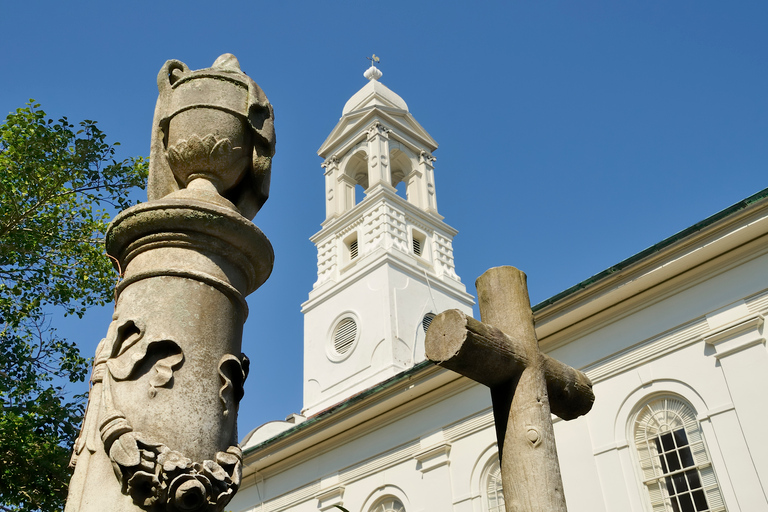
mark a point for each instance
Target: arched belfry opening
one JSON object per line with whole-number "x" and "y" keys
{"x": 356, "y": 169}
{"x": 384, "y": 254}
{"x": 401, "y": 168}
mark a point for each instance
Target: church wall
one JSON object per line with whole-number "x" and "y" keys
{"x": 662, "y": 349}
{"x": 703, "y": 344}
{"x": 412, "y": 450}
{"x": 581, "y": 482}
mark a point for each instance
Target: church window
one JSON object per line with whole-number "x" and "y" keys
{"x": 344, "y": 335}
{"x": 388, "y": 504}
{"x": 674, "y": 464}
{"x": 353, "y": 249}
{"x": 493, "y": 490}
{"x": 427, "y": 321}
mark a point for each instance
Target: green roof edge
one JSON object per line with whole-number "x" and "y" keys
{"x": 680, "y": 235}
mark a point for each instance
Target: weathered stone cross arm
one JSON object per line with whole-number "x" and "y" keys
{"x": 486, "y": 355}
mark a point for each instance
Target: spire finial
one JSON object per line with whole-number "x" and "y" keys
{"x": 373, "y": 73}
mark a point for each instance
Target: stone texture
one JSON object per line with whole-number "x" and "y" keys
{"x": 160, "y": 429}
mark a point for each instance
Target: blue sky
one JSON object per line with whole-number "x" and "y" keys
{"x": 572, "y": 134}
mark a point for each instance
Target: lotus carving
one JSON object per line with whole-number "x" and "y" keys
{"x": 215, "y": 160}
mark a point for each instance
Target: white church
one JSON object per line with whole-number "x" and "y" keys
{"x": 672, "y": 338}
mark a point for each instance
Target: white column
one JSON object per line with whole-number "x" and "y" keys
{"x": 331, "y": 166}
{"x": 428, "y": 170}
{"x": 345, "y": 192}
{"x": 378, "y": 156}
{"x": 740, "y": 350}
{"x": 416, "y": 188}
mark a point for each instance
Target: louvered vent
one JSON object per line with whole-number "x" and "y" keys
{"x": 353, "y": 249}
{"x": 427, "y": 321}
{"x": 345, "y": 335}
{"x": 417, "y": 246}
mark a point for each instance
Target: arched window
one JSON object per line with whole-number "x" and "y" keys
{"x": 494, "y": 496}
{"x": 388, "y": 504}
{"x": 674, "y": 464}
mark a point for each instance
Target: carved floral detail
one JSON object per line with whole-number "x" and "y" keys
{"x": 207, "y": 156}
{"x": 426, "y": 157}
{"x": 377, "y": 128}
{"x": 158, "y": 478}
{"x": 331, "y": 161}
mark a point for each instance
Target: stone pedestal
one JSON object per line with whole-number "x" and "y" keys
{"x": 160, "y": 430}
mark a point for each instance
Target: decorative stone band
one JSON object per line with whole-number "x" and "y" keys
{"x": 221, "y": 285}
{"x": 191, "y": 236}
{"x": 188, "y": 94}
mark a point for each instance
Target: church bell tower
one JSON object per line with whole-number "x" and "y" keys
{"x": 384, "y": 255}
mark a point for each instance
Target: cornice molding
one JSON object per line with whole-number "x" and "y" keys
{"x": 351, "y": 127}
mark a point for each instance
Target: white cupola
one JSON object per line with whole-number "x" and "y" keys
{"x": 385, "y": 256}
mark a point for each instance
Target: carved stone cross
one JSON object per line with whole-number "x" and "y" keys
{"x": 502, "y": 352}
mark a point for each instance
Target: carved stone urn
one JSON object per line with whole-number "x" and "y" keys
{"x": 160, "y": 428}
{"x": 213, "y": 136}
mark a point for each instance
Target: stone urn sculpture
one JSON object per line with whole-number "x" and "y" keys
{"x": 160, "y": 428}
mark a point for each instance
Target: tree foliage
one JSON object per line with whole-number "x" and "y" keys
{"x": 57, "y": 181}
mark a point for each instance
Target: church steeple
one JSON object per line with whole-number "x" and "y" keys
{"x": 385, "y": 257}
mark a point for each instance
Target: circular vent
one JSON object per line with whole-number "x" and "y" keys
{"x": 344, "y": 337}
{"x": 427, "y": 320}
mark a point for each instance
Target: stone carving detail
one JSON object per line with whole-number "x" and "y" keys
{"x": 233, "y": 371}
{"x": 233, "y": 157}
{"x": 218, "y": 157}
{"x": 160, "y": 429}
{"x": 129, "y": 349}
{"x": 152, "y": 474}
{"x": 158, "y": 478}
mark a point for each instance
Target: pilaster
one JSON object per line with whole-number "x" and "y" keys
{"x": 331, "y": 167}
{"x": 739, "y": 349}
{"x": 378, "y": 156}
